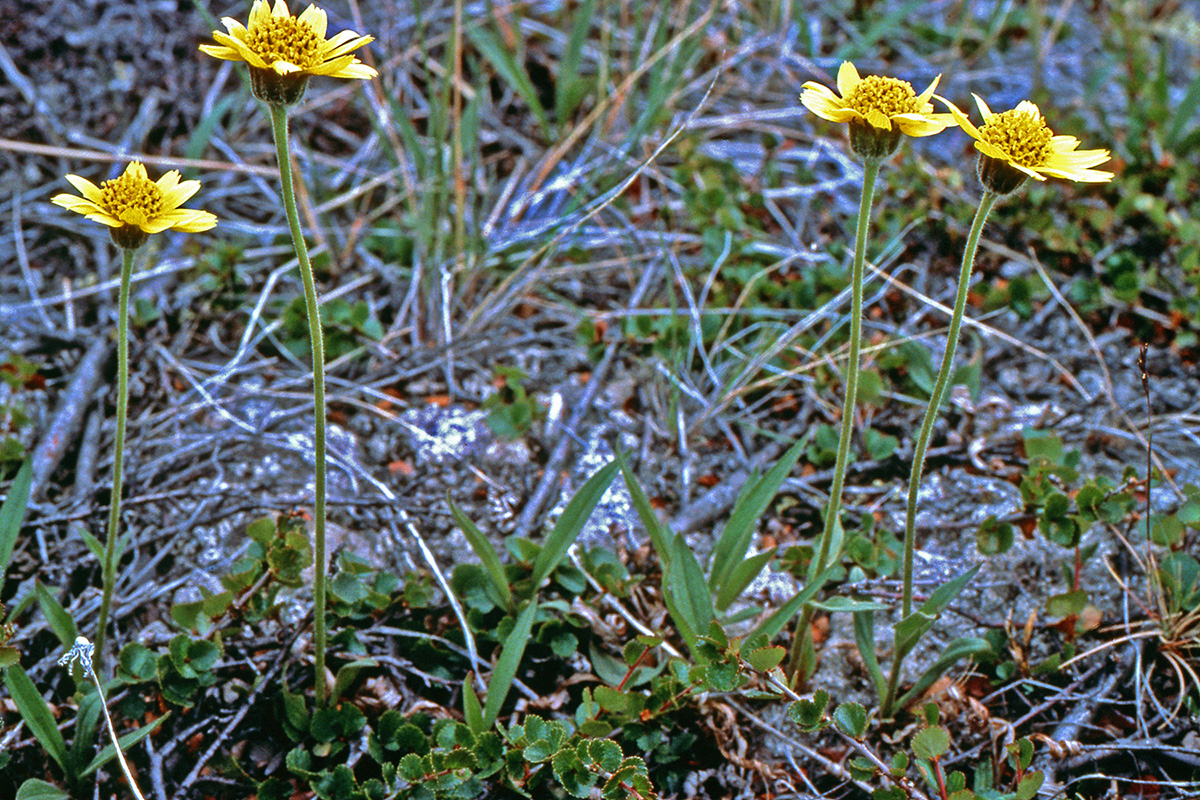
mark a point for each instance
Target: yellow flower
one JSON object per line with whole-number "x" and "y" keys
{"x": 878, "y": 110}
{"x": 133, "y": 206}
{"x": 283, "y": 51}
{"x": 1017, "y": 144}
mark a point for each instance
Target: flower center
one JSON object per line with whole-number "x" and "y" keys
{"x": 285, "y": 39}
{"x": 1023, "y": 137}
{"x": 130, "y": 192}
{"x": 888, "y": 96}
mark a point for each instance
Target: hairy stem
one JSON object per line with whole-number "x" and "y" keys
{"x": 109, "y": 574}
{"x": 931, "y": 412}
{"x": 279, "y": 128}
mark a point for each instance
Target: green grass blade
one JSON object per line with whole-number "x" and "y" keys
{"x": 506, "y": 665}
{"x": 659, "y": 536}
{"x": 864, "y": 637}
{"x": 571, "y": 522}
{"x": 570, "y": 88}
{"x": 472, "y": 710}
{"x": 688, "y": 599}
{"x": 957, "y": 650}
{"x": 513, "y": 73}
{"x": 910, "y": 629}
{"x": 487, "y": 554}
{"x": 743, "y": 573}
{"x": 772, "y": 625}
{"x": 60, "y": 621}
{"x": 127, "y": 741}
{"x": 37, "y": 716}
{"x": 12, "y": 513}
{"x": 735, "y": 539}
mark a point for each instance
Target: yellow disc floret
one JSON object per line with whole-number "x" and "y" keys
{"x": 286, "y": 39}
{"x": 131, "y": 192}
{"x": 1023, "y": 137}
{"x": 887, "y": 96}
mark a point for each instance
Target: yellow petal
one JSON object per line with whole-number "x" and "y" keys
{"x": 178, "y": 195}
{"x": 284, "y": 68}
{"x": 878, "y": 119}
{"x": 235, "y": 28}
{"x": 136, "y": 217}
{"x": 960, "y": 118}
{"x": 189, "y": 221}
{"x": 136, "y": 170}
{"x": 224, "y": 53}
{"x": 315, "y": 19}
{"x": 847, "y": 78}
{"x": 1029, "y": 109}
{"x": 983, "y": 108}
{"x": 76, "y": 204}
{"x": 358, "y": 71}
{"x": 105, "y": 219}
{"x": 923, "y": 97}
{"x": 991, "y": 151}
{"x": 245, "y": 53}
{"x": 168, "y": 181}
{"x": 86, "y": 188}
{"x": 260, "y": 12}
{"x": 823, "y": 102}
{"x": 340, "y": 45}
{"x": 281, "y": 9}
{"x": 918, "y": 125}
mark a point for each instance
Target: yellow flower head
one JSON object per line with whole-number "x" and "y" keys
{"x": 878, "y": 110}
{"x": 284, "y": 51}
{"x": 133, "y": 206}
{"x": 1017, "y": 144}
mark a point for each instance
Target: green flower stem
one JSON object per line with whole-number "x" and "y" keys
{"x": 931, "y": 412}
{"x": 939, "y": 392}
{"x": 108, "y": 576}
{"x": 280, "y": 130}
{"x": 833, "y": 512}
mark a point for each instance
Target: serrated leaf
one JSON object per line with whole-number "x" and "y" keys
{"x": 930, "y": 743}
{"x": 1027, "y": 788}
{"x": 765, "y": 659}
{"x": 851, "y": 719}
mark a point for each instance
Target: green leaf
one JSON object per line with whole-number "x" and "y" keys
{"x": 659, "y": 536}
{"x": 60, "y": 621}
{"x": 910, "y": 629}
{"x": 346, "y": 675}
{"x": 472, "y": 710}
{"x": 772, "y": 625}
{"x": 1027, "y": 788}
{"x": 809, "y": 715}
{"x": 127, "y": 741}
{"x": 686, "y": 593}
{"x": 509, "y": 69}
{"x": 12, "y": 513}
{"x": 864, "y": 637}
{"x": 37, "y": 789}
{"x": 37, "y": 716}
{"x": 740, "y": 577}
{"x": 734, "y": 542}
{"x": 930, "y": 743}
{"x": 506, "y": 665}
{"x": 765, "y": 659}
{"x": 994, "y": 537}
{"x": 851, "y": 719}
{"x": 1066, "y": 603}
{"x": 851, "y": 605}
{"x": 955, "y": 651}
{"x": 572, "y": 521}
{"x": 486, "y": 552}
